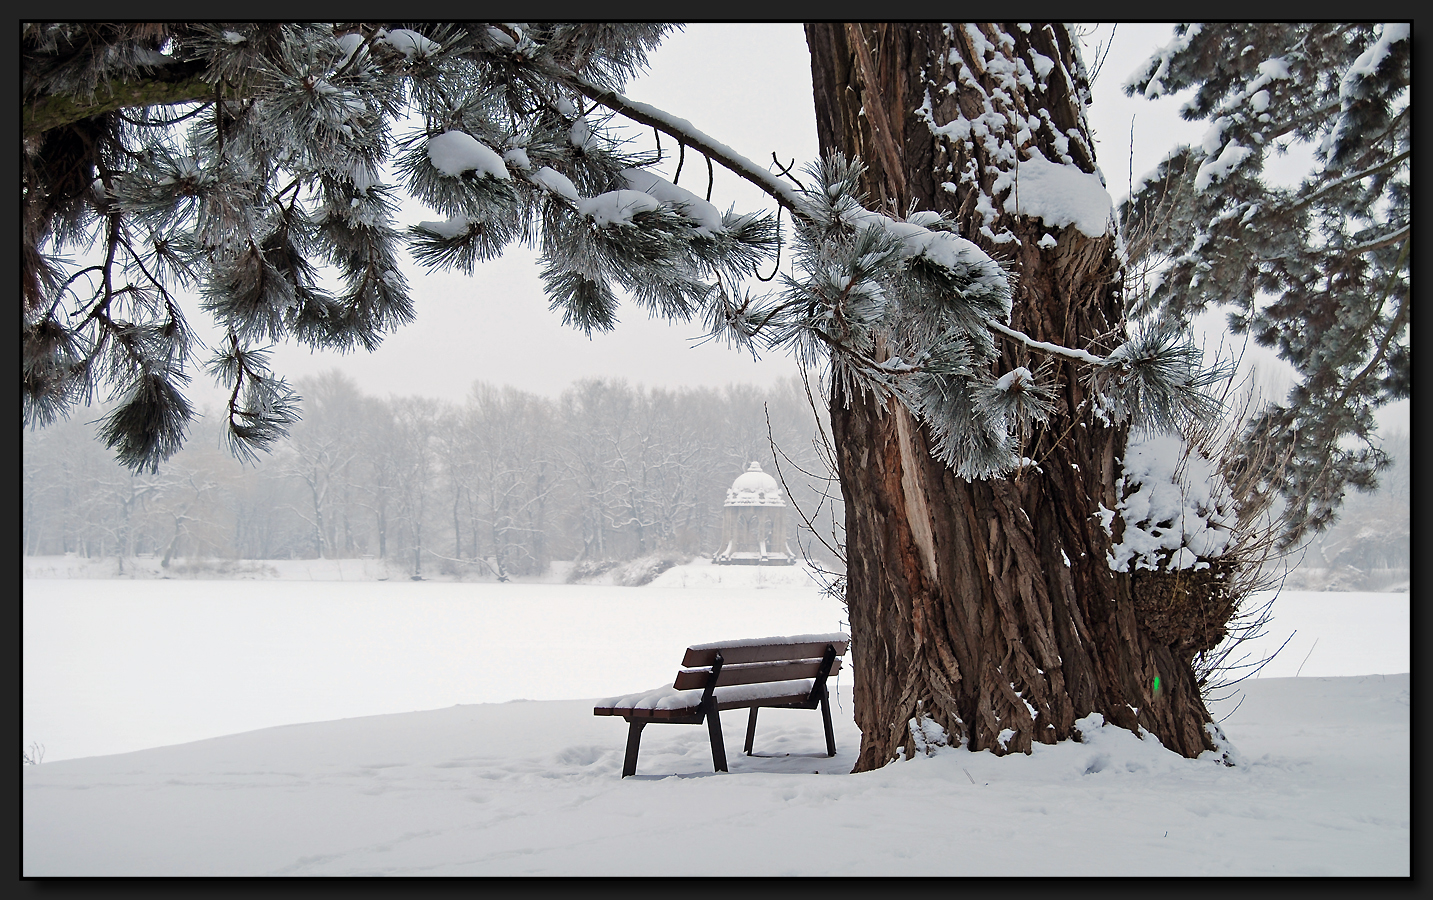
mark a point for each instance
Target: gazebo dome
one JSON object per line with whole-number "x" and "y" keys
{"x": 754, "y": 488}
{"x": 753, "y": 525}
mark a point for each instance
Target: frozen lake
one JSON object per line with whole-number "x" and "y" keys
{"x": 112, "y": 666}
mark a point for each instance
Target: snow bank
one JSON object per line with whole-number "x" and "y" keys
{"x": 536, "y": 789}
{"x": 119, "y": 665}
{"x": 467, "y": 786}
{"x": 702, "y": 573}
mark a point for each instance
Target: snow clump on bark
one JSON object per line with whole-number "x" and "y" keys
{"x": 1177, "y": 511}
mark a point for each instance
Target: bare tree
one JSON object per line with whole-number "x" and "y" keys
{"x": 416, "y": 422}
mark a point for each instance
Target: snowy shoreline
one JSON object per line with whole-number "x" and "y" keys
{"x": 168, "y": 709}
{"x": 698, "y": 572}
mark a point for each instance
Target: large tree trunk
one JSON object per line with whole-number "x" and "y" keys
{"x": 988, "y": 606}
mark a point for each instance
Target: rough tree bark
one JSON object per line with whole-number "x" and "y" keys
{"x": 988, "y": 606}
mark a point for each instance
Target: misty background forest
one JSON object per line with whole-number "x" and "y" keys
{"x": 499, "y": 486}
{"x": 509, "y": 481}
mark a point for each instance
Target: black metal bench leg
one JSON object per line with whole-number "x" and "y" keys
{"x": 750, "y": 729}
{"x": 634, "y": 739}
{"x": 826, "y": 716}
{"x": 718, "y": 747}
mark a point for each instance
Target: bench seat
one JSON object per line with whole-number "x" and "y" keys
{"x": 667, "y": 702}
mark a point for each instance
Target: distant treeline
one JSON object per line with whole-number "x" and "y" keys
{"x": 503, "y": 483}
{"x": 508, "y": 481}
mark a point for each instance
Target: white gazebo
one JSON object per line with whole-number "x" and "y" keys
{"x": 753, "y": 525}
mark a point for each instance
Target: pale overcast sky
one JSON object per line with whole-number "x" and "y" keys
{"x": 749, "y": 85}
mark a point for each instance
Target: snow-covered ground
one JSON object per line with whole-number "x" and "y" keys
{"x": 442, "y": 737}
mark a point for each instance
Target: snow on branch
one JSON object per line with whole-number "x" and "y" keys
{"x": 1076, "y": 354}
{"x": 845, "y": 309}
{"x": 902, "y": 307}
{"x": 940, "y": 247}
{"x": 693, "y": 137}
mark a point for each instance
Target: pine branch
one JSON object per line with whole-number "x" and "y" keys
{"x": 172, "y": 85}
{"x": 1384, "y": 241}
{"x": 1393, "y": 328}
{"x": 1346, "y": 180}
{"x": 1274, "y": 132}
{"x": 687, "y": 133}
{"x": 1080, "y": 355}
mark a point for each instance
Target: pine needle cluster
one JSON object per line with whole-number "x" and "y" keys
{"x": 247, "y": 162}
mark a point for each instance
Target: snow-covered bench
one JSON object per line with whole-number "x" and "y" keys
{"x": 777, "y": 672}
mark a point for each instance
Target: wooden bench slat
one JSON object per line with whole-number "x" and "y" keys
{"x": 750, "y": 653}
{"x": 800, "y": 701}
{"x": 752, "y": 673}
{"x": 664, "y": 703}
{"x": 691, "y": 716}
{"x": 663, "y": 699}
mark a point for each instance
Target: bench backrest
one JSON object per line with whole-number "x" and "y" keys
{"x": 760, "y": 660}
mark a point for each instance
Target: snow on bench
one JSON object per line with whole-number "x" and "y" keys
{"x": 781, "y": 672}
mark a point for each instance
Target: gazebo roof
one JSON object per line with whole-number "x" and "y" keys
{"x": 754, "y": 488}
